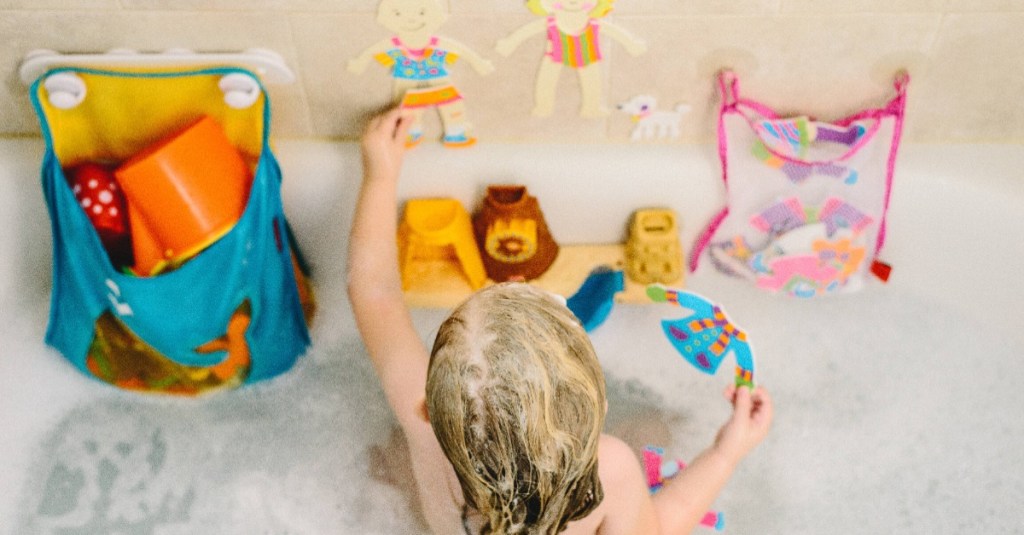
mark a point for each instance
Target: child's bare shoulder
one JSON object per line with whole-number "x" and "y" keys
{"x": 627, "y": 506}
{"x": 617, "y": 462}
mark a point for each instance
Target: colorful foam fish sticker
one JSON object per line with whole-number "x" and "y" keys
{"x": 705, "y": 337}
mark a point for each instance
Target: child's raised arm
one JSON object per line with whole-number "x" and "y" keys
{"x": 375, "y": 290}
{"x": 374, "y": 282}
{"x": 685, "y": 498}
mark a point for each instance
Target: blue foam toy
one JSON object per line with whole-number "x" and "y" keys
{"x": 705, "y": 337}
{"x": 593, "y": 301}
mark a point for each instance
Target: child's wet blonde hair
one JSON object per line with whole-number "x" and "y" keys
{"x": 601, "y": 7}
{"x": 516, "y": 397}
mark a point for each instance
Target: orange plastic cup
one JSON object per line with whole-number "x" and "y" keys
{"x": 184, "y": 193}
{"x": 146, "y": 249}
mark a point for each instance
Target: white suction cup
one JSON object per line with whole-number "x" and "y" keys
{"x": 64, "y": 90}
{"x": 240, "y": 90}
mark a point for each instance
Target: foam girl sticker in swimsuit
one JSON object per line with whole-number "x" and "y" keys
{"x": 420, "y": 61}
{"x": 574, "y": 29}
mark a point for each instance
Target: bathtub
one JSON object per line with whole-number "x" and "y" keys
{"x": 897, "y": 407}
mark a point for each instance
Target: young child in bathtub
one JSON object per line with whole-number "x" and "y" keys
{"x": 503, "y": 417}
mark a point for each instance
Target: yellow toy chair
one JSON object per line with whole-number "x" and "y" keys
{"x": 433, "y": 228}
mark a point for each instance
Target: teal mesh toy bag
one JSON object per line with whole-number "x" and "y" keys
{"x": 174, "y": 269}
{"x": 806, "y": 200}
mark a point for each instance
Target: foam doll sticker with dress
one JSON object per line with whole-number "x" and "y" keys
{"x": 420, "y": 61}
{"x": 574, "y": 29}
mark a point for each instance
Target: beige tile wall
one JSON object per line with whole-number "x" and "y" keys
{"x": 822, "y": 57}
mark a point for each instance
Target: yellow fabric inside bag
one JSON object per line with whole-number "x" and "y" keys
{"x": 123, "y": 115}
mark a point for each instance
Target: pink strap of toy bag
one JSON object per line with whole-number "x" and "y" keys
{"x": 805, "y": 199}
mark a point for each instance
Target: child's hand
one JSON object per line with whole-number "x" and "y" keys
{"x": 751, "y": 418}
{"x": 383, "y": 144}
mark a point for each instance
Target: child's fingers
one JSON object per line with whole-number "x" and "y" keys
{"x": 742, "y": 402}
{"x": 394, "y": 124}
{"x": 403, "y": 124}
{"x": 763, "y": 407}
{"x": 392, "y": 115}
{"x": 375, "y": 122}
{"x": 383, "y": 121}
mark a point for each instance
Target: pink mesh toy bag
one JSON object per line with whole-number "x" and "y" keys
{"x": 806, "y": 200}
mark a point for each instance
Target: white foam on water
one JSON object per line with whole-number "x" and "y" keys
{"x": 896, "y": 408}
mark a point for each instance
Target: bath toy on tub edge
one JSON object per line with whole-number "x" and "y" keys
{"x": 653, "y": 251}
{"x": 593, "y": 301}
{"x": 707, "y": 335}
